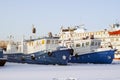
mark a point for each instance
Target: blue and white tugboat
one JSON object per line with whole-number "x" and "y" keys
{"x": 2, "y": 60}
{"x": 45, "y": 50}
{"x": 87, "y": 49}
{"x": 38, "y": 51}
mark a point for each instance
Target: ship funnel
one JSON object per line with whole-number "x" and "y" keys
{"x": 33, "y": 29}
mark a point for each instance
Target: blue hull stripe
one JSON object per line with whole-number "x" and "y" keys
{"x": 103, "y": 57}
{"x": 55, "y": 57}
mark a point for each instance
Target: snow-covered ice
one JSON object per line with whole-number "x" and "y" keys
{"x": 15, "y": 71}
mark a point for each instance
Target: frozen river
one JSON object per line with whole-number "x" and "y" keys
{"x": 15, "y": 71}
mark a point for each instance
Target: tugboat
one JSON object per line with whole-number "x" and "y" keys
{"x": 2, "y": 60}
{"x": 45, "y": 50}
{"x": 86, "y": 49}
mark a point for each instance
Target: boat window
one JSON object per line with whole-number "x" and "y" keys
{"x": 29, "y": 43}
{"x": 87, "y": 43}
{"x": 72, "y": 45}
{"x": 92, "y": 43}
{"x": 96, "y": 43}
{"x": 52, "y": 41}
{"x": 56, "y": 41}
{"x": 32, "y": 43}
{"x": 103, "y": 39}
{"x": 48, "y": 41}
{"x": 77, "y": 45}
{"x": 59, "y": 41}
{"x": 37, "y": 43}
{"x": 117, "y": 39}
{"x": 83, "y": 45}
{"x": 99, "y": 33}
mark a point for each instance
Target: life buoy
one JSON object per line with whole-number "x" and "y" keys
{"x": 32, "y": 57}
{"x": 23, "y": 58}
{"x": 49, "y": 53}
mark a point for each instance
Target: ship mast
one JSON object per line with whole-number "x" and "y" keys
{"x": 33, "y": 31}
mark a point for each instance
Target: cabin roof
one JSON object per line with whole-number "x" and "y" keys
{"x": 41, "y": 38}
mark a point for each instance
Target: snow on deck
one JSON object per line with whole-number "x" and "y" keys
{"x": 15, "y": 71}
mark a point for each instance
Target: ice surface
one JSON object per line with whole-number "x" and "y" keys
{"x": 15, "y": 71}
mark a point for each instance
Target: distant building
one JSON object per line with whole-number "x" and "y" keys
{"x": 3, "y": 44}
{"x": 104, "y": 35}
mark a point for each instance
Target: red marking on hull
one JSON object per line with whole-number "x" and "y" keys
{"x": 114, "y": 32}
